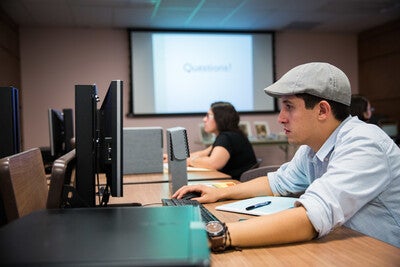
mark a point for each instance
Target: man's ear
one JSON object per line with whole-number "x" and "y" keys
{"x": 324, "y": 109}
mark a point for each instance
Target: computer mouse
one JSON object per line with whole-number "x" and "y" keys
{"x": 191, "y": 195}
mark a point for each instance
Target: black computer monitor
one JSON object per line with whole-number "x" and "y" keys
{"x": 56, "y": 131}
{"x": 110, "y": 138}
{"x": 98, "y": 142}
{"x": 85, "y": 143}
{"x": 10, "y": 134}
{"x": 61, "y": 131}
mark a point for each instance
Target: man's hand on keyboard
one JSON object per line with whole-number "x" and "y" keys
{"x": 208, "y": 194}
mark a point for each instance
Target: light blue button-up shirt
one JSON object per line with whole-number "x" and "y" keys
{"x": 352, "y": 180}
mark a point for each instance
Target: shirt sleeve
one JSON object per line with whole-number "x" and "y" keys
{"x": 357, "y": 172}
{"x": 223, "y": 140}
{"x": 291, "y": 177}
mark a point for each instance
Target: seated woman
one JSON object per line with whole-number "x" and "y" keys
{"x": 231, "y": 152}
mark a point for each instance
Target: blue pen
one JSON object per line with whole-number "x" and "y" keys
{"x": 262, "y": 204}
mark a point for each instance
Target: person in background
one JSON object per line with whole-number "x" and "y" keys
{"x": 360, "y": 107}
{"x": 231, "y": 152}
{"x": 346, "y": 172}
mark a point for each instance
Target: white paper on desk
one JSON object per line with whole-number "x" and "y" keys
{"x": 189, "y": 169}
{"x": 277, "y": 204}
{"x": 197, "y": 169}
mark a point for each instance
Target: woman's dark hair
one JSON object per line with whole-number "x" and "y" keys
{"x": 339, "y": 110}
{"x": 226, "y": 117}
{"x": 359, "y": 105}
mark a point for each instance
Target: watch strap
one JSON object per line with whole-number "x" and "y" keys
{"x": 218, "y": 243}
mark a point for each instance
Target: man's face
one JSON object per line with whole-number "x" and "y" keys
{"x": 299, "y": 123}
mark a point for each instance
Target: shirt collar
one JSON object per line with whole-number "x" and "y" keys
{"x": 329, "y": 144}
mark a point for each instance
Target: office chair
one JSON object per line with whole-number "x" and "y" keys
{"x": 259, "y": 160}
{"x": 257, "y": 172}
{"x": 23, "y": 183}
{"x": 60, "y": 181}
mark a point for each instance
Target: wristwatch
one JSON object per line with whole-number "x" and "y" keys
{"x": 217, "y": 235}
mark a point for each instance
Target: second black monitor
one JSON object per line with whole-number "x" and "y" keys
{"x": 98, "y": 142}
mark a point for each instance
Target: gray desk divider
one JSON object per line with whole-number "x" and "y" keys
{"x": 143, "y": 150}
{"x": 178, "y": 152}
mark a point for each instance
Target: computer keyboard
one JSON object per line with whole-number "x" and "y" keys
{"x": 206, "y": 215}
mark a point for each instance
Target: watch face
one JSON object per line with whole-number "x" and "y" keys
{"x": 214, "y": 228}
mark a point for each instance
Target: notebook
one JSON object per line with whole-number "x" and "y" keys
{"x": 276, "y": 204}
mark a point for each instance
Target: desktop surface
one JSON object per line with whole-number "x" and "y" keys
{"x": 122, "y": 236}
{"x": 164, "y": 177}
{"x": 342, "y": 247}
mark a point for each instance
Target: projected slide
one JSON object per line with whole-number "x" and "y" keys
{"x": 183, "y": 72}
{"x": 192, "y": 71}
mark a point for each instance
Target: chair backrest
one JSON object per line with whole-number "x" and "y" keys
{"x": 259, "y": 160}
{"x": 23, "y": 183}
{"x": 61, "y": 174}
{"x": 257, "y": 172}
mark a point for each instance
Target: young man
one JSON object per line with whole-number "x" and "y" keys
{"x": 346, "y": 172}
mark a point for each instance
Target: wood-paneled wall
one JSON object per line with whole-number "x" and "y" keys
{"x": 379, "y": 68}
{"x": 10, "y": 61}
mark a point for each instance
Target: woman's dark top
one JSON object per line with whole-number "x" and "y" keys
{"x": 241, "y": 152}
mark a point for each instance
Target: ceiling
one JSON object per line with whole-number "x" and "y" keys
{"x": 348, "y": 16}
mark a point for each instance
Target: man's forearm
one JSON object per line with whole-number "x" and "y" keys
{"x": 256, "y": 187}
{"x": 288, "y": 226}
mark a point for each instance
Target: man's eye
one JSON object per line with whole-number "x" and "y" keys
{"x": 289, "y": 107}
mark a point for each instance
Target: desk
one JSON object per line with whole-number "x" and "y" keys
{"x": 151, "y": 193}
{"x": 342, "y": 247}
{"x": 149, "y": 178}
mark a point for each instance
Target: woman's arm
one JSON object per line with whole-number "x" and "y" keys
{"x": 216, "y": 160}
